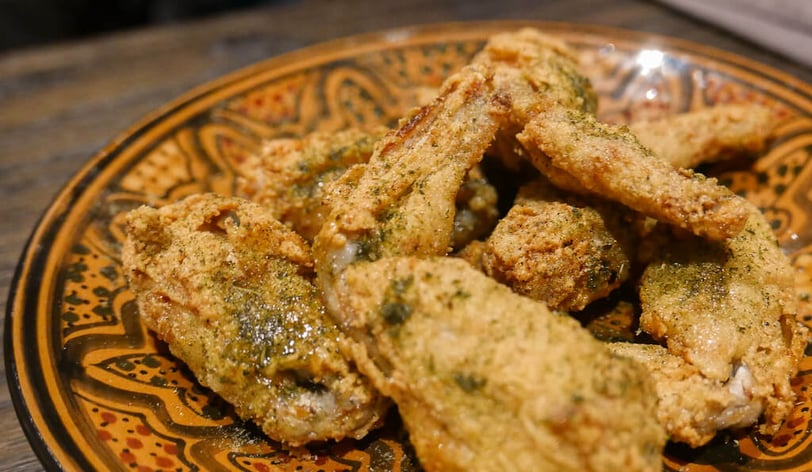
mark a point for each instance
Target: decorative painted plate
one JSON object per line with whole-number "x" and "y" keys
{"x": 95, "y": 390}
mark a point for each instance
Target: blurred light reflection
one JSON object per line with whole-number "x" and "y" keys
{"x": 649, "y": 59}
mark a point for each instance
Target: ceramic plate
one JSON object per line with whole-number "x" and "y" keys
{"x": 95, "y": 390}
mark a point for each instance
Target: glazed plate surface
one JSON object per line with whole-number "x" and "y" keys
{"x": 95, "y": 390}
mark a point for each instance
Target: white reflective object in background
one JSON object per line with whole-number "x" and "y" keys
{"x": 649, "y": 59}
{"x": 781, "y": 25}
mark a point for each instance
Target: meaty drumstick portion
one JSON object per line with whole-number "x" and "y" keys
{"x": 728, "y": 309}
{"x": 228, "y": 288}
{"x": 710, "y": 135}
{"x": 691, "y": 407}
{"x": 609, "y": 161}
{"x": 403, "y": 200}
{"x": 487, "y": 380}
{"x": 289, "y": 175}
{"x": 564, "y": 251}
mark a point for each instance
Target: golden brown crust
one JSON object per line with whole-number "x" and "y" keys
{"x": 563, "y": 252}
{"x": 288, "y": 175}
{"x": 691, "y": 407}
{"x": 713, "y": 134}
{"x": 465, "y": 358}
{"x": 469, "y": 362}
{"x": 609, "y": 161}
{"x": 291, "y": 177}
{"x": 728, "y": 308}
{"x": 403, "y": 200}
{"x": 534, "y": 72}
{"x": 228, "y": 288}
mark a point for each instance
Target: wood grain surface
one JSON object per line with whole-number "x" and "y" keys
{"x": 62, "y": 103}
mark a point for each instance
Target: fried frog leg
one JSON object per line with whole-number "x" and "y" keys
{"x": 229, "y": 289}
{"x": 609, "y": 161}
{"x": 403, "y": 200}
{"x": 488, "y": 380}
{"x": 728, "y": 310}
{"x": 714, "y": 134}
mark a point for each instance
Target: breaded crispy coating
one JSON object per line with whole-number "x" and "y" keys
{"x": 535, "y": 72}
{"x": 553, "y": 250}
{"x": 291, "y": 178}
{"x": 228, "y": 288}
{"x": 401, "y": 204}
{"x": 609, "y": 161}
{"x": 403, "y": 200}
{"x": 487, "y": 380}
{"x": 709, "y": 135}
{"x": 288, "y": 175}
{"x": 728, "y": 309}
{"x": 692, "y": 407}
{"x": 562, "y": 251}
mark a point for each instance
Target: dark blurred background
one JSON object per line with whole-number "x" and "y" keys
{"x": 35, "y": 22}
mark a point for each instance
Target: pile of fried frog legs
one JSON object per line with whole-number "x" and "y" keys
{"x": 368, "y": 268}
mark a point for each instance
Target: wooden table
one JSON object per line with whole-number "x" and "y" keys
{"x": 60, "y": 104}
